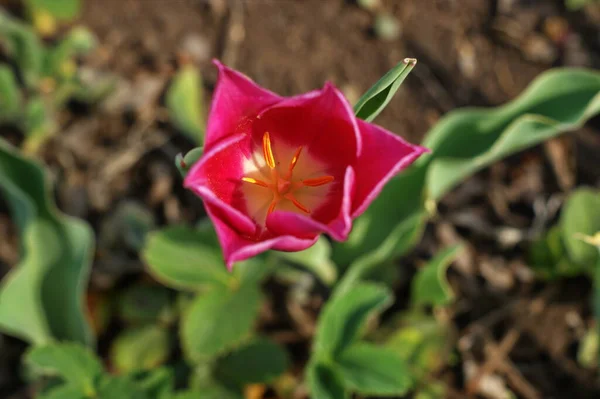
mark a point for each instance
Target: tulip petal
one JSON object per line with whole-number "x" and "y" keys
{"x": 320, "y": 121}
{"x": 236, "y": 102}
{"x": 237, "y": 247}
{"x": 216, "y": 178}
{"x": 299, "y": 225}
{"x": 383, "y": 155}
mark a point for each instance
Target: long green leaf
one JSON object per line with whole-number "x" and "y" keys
{"x": 43, "y": 296}
{"x": 468, "y": 140}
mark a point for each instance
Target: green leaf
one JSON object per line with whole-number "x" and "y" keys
{"x": 422, "y": 342}
{"x": 574, "y": 5}
{"x": 75, "y": 364}
{"x": 184, "y": 163}
{"x": 214, "y": 392}
{"x": 182, "y": 258}
{"x": 580, "y": 215}
{"x": 587, "y": 353}
{"x": 317, "y": 259}
{"x": 377, "y": 97}
{"x": 38, "y": 122}
{"x": 219, "y": 320}
{"x": 468, "y": 140}
{"x": 23, "y": 46}
{"x": 259, "y": 361}
{"x": 141, "y": 348}
{"x": 185, "y": 102}
{"x": 430, "y": 286}
{"x": 548, "y": 256}
{"x": 156, "y": 383}
{"x": 43, "y": 296}
{"x": 64, "y": 391}
{"x": 59, "y": 61}
{"x": 324, "y": 382}
{"x": 435, "y": 390}
{"x": 371, "y": 370}
{"x": 64, "y": 10}
{"x": 344, "y": 316}
{"x": 10, "y": 95}
{"x": 400, "y": 240}
{"x": 119, "y": 387}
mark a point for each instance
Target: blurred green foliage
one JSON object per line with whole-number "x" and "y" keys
{"x": 42, "y": 298}
{"x": 39, "y": 79}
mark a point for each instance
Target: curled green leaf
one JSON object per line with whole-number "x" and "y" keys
{"x": 377, "y": 97}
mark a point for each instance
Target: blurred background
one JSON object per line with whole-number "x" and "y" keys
{"x": 112, "y": 160}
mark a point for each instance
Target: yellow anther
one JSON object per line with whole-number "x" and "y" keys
{"x": 255, "y": 181}
{"x": 268, "y": 151}
{"x": 294, "y": 160}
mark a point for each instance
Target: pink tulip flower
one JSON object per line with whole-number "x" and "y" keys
{"x": 278, "y": 171}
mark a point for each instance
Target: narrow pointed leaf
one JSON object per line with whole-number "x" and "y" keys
{"x": 377, "y": 97}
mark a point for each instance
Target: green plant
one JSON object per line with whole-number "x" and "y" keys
{"x": 41, "y": 78}
{"x": 41, "y": 299}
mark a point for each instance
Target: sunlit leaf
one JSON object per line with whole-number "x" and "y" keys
{"x": 185, "y": 102}
{"x": 43, "y": 296}
{"x": 180, "y": 257}
{"x": 580, "y": 215}
{"x": 10, "y": 95}
{"x": 75, "y": 364}
{"x": 422, "y": 342}
{"x": 64, "y": 10}
{"x": 140, "y": 348}
{"x": 467, "y": 140}
{"x": 219, "y": 320}
{"x": 377, "y": 97}
{"x": 371, "y": 370}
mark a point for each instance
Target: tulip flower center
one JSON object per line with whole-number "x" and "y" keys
{"x": 282, "y": 186}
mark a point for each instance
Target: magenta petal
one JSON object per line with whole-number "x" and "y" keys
{"x": 215, "y": 178}
{"x": 280, "y": 222}
{"x": 383, "y": 155}
{"x": 321, "y": 121}
{"x": 236, "y": 102}
{"x": 237, "y": 247}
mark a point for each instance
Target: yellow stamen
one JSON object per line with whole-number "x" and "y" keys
{"x": 255, "y": 181}
{"x": 268, "y": 151}
{"x": 317, "y": 181}
{"x": 294, "y": 161}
